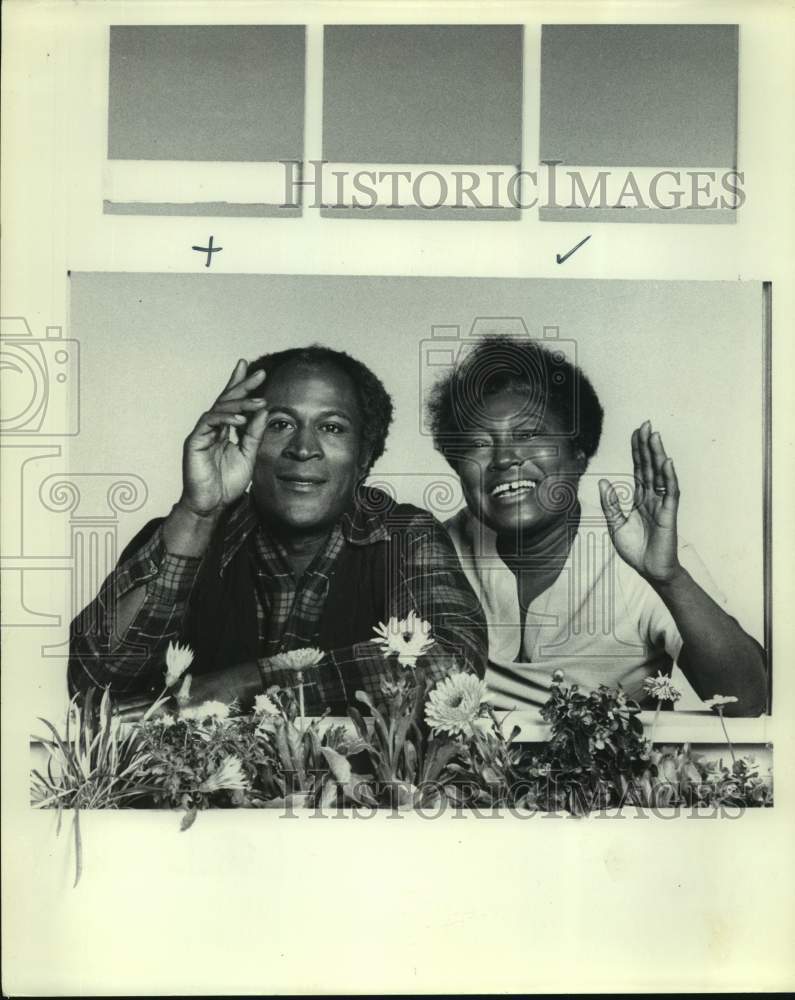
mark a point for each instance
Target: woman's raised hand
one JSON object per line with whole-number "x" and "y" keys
{"x": 646, "y": 538}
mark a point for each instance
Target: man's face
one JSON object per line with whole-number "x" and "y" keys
{"x": 310, "y": 458}
{"x": 519, "y": 472}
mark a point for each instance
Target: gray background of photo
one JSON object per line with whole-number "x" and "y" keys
{"x": 156, "y": 350}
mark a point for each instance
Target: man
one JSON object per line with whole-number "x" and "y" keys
{"x": 608, "y": 597}
{"x": 306, "y": 558}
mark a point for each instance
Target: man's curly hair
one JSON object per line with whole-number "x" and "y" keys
{"x": 375, "y": 403}
{"x": 499, "y": 363}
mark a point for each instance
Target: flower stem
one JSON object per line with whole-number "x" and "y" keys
{"x": 654, "y": 721}
{"x": 725, "y": 733}
{"x": 301, "y": 706}
{"x": 163, "y": 696}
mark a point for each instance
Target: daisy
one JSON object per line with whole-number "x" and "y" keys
{"x": 719, "y": 700}
{"x": 409, "y": 638}
{"x": 228, "y": 776}
{"x": 178, "y": 659}
{"x": 454, "y": 704}
{"x": 661, "y": 688}
{"x": 264, "y": 706}
{"x": 298, "y": 659}
{"x": 207, "y": 710}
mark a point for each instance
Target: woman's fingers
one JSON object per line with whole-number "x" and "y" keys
{"x": 611, "y": 506}
{"x": 671, "y": 485}
{"x": 646, "y": 465}
{"x": 658, "y": 458}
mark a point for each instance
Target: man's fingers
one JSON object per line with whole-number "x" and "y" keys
{"x": 251, "y": 437}
{"x": 243, "y": 386}
{"x": 611, "y": 507}
{"x": 212, "y": 419}
{"x": 238, "y": 405}
{"x": 237, "y": 374}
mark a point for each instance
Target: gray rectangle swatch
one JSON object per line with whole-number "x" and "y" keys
{"x": 422, "y": 94}
{"x": 682, "y": 216}
{"x": 415, "y": 213}
{"x": 219, "y": 209}
{"x": 638, "y": 95}
{"x": 185, "y": 92}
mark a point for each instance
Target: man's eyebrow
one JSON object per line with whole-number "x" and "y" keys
{"x": 320, "y": 416}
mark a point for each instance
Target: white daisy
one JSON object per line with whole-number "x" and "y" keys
{"x": 264, "y": 706}
{"x": 297, "y": 659}
{"x": 661, "y": 688}
{"x": 178, "y": 659}
{"x": 409, "y": 638}
{"x": 454, "y": 703}
{"x": 719, "y": 700}
{"x": 228, "y": 776}
{"x": 207, "y": 710}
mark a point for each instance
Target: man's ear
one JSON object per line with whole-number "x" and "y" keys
{"x": 581, "y": 460}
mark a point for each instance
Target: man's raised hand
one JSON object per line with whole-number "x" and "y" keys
{"x": 216, "y": 470}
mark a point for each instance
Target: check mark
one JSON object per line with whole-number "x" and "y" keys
{"x": 560, "y": 258}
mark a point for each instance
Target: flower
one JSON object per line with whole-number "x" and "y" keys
{"x": 207, "y": 710}
{"x": 661, "y": 688}
{"x": 454, "y": 703}
{"x": 409, "y": 638}
{"x": 229, "y": 776}
{"x": 557, "y": 676}
{"x": 164, "y": 720}
{"x": 178, "y": 659}
{"x": 298, "y": 659}
{"x": 719, "y": 700}
{"x": 264, "y": 706}
{"x": 183, "y": 695}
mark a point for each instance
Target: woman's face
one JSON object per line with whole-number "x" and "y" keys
{"x": 519, "y": 471}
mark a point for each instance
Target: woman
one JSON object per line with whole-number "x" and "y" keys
{"x": 611, "y": 596}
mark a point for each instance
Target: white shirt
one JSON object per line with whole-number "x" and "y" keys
{"x": 599, "y": 622}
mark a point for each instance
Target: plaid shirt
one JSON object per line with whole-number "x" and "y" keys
{"x": 426, "y": 578}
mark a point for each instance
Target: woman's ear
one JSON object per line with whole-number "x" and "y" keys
{"x": 364, "y": 462}
{"x": 581, "y": 460}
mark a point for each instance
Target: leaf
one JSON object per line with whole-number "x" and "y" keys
{"x": 380, "y": 723}
{"x": 581, "y": 747}
{"x": 78, "y": 848}
{"x": 400, "y": 738}
{"x": 328, "y": 794}
{"x": 338, "y": 765}
{"x": 188, "y": 819}
{"x": 439, "y": 756}
{"x": 359, "y": 722}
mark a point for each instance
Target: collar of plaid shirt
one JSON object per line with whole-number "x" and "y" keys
{"x": 289, "y": 610}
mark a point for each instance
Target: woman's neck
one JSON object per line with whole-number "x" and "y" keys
{"x": 548, "y": 544}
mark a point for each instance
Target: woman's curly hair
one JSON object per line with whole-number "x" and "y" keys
{"x": 375, "y": 403}
{"x": 499, "y": 363}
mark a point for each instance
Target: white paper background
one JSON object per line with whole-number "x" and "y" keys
{"x": 249, "y": 903}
